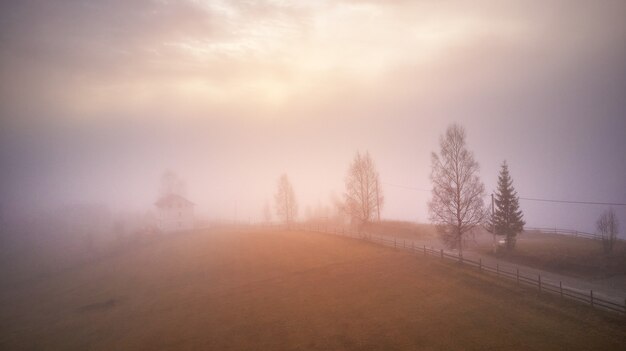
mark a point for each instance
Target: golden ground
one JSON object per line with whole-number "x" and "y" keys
{"x": 262, "y": 290}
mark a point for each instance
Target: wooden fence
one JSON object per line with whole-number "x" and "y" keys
{"x": 567, "y": 232}
{"x": 519, "y": 277}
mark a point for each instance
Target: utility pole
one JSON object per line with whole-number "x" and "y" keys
{"x": 493, "y": 226}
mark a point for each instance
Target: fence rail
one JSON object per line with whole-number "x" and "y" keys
{"x": 518, "y": 276}
{"x": 566, "y": 232}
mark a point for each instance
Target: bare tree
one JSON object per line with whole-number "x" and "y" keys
{"x": 457, "y": 203}
{"x": 608, "y": 226}
{"x": 286, "y": 205}
{"x": 171, "y": 184}
{"x": 363, "y": 195}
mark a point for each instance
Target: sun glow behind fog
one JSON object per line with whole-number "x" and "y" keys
{"x": 214, "y": 89}
{"x": 273, "y": 61}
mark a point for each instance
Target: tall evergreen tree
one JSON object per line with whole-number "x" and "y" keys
{"x": 507, "y": 219}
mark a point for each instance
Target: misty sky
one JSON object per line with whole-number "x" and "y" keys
{"x": 98, "y": 98}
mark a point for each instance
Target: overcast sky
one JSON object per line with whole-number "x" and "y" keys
{"x": 98, "y": 98}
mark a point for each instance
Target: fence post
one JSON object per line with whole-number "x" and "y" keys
{"x": 539, "y": 280}
{"x": 517, "y": 276}
{"x": 498, "y": 269}
{"x": 561, "y": 288}
{"x": 424, "y": 250}
{"x": 480, "y": 264}
{"x": 404, "y": 244}
{"x": 591, "y": 295}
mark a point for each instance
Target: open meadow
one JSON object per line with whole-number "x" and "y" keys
{"x": 568, "y": 255}
{"x": 260, "y": 290}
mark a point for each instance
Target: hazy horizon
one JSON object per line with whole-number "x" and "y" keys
{"x": 99, "y": 98}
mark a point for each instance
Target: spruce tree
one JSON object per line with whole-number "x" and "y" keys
{"x": 508, "y": 218}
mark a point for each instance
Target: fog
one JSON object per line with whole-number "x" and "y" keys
{"x": 97, "y": 100}
{"x": 209, "y": 174}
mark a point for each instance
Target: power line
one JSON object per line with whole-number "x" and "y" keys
{"x": 527, "y": 198}
{"x": 574, "y": 202}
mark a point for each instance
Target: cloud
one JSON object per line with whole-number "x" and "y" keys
{"x": 204, "y": 57}
{"x": 88, "y": 80}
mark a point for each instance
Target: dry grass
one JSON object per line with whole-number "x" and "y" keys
{"x": 287, "y": 290}
{"x": 400, "y": 229}
{"x": 577, "y": 257}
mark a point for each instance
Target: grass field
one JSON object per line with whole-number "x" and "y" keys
{"x": 577, "y": 257}
{"x": 262, "y": 290}
{"x": 399, "y": 229}
{"x": 573, "y": 256}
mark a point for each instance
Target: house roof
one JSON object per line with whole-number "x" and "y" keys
{"x": 171, "y": 200}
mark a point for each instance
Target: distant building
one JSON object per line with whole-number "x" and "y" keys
{"x": 174, "y": 213}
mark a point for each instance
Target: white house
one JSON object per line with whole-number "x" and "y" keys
{"x": 174, "y": 213}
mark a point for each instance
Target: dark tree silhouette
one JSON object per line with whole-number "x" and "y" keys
{"x": 457, "y": 203}
{"x": 286, "y": 205}
{"x": 608, "y": 227}
{"x": 507, "y": 219}
{"x": 363, "y": 195}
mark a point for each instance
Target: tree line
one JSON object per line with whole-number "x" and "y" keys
{"x": 457, "y": 205}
